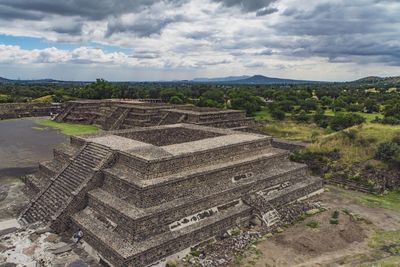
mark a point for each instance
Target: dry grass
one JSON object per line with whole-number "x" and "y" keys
{"x": 358, "y": 143}
{"x": 294, "y": 131}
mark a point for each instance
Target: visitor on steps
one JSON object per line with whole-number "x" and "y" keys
{"x": 78, "y": 236}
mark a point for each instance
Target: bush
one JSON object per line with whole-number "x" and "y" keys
{"x": 389, "y": 152}
{"x": 390, "y": 120}
{"x": 176, "y": 100}
{"x": 343, "y": 121}
{"x": 302, "y": 117}
{"x": 320, "y": 118}
{"x": 313, "y": 224}
{"x": 334, "y": 221}
{"x": 278, "y": 114}
{"x": 171, "y": 263}
{"x": 335, "y": 214}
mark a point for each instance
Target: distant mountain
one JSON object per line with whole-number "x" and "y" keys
{"x": 39, "y": 81}
{"x": 376, "y": 79}
{"x": 4, "y": 80}
{"x": 256, "y": 79}
{"x": 221, "y": 79}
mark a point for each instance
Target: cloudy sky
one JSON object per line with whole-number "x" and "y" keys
{"x": 332, "y": 40}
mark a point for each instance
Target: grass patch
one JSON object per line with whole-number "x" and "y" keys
{"x": 294, "y": 131}
{"x": 70, "y": 128}
{"x": 390, "y": 200}
{"x": 360, "y": 148}
{"x": 387, "y": 262}
{"x": 262, "y": 115}
{"x": 384, "y": 238}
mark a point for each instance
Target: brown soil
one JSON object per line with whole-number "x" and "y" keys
{"x": 327, "y": 237}
{"x": 344, "y": 244}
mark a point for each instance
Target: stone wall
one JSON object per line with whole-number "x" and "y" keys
{"x": 20, "y": 110}
{"x": 158, "y": 218}
{"x": 191, "y": 184}
{"x": 158, "y": 168}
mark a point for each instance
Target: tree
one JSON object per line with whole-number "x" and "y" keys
{"x": 344, "y": 120}
{"x": 308, "y": 104}
{"x": 246, "y": 101}
{"x": 212, "y": 98}
{"x": 278, "y": 114}
{"x": 326, "y": 101}
{"x": 371, "y": 106}
{"x": 175, "y": 100}
{"x": 287, "y": 105}
{"x": 168, "y": 93}
{"x": 320, "y": 118}
{"x": 302, "y": 117}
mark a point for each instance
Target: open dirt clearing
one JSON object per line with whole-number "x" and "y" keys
{"x": 364, "y": 235}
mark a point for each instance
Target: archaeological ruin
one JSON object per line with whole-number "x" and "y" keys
{"x": 164, "y": 178}
{"x": 125, "y": 114}
{"x": 21, "y": 110}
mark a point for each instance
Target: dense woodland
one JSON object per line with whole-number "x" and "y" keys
{"x": 301, "y": 102}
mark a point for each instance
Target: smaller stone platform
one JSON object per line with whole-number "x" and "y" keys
{"x": 122, "y": 114}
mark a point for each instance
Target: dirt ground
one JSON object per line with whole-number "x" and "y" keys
{"x": 364, "y": 236}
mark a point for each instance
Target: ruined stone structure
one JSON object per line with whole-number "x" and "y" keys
{"x": 126, "y": 114}
{"x": 20, "y": 110}
{"x": 145, "y": 193}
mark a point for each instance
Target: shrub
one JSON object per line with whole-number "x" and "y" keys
{"x": 176, "y": 100}
{"x": 390, "y": 120}
{"x": 302, "y": 117}
{"x": 313, "y": 224}
{"x": 389, "y": 152}
{"x": 335, "y": 214}
{"x": 278, "y": 114}
{"x": 343, "y": 121}
{"x": 320, "y": 118}
{"x": 334, "y": 221}
{"x": 171, "y": 263}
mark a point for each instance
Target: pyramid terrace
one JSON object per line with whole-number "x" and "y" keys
{"x": 145, "y": 193}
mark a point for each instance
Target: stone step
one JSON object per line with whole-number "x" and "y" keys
{"x": 58, "y": 193}
{"x": 77, "y": 171}
{"x": 144, "y": 221}
{"x": 121, "y": 251}
{"x": 96, "y": 154}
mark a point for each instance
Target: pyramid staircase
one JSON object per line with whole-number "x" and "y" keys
{"x": 65, "y": 112}
{"x": 67, "y": 185}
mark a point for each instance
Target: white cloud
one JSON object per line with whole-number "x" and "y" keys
{"x": 325, "y": 39}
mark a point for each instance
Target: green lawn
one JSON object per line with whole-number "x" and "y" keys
{"x": 70, "y": 128}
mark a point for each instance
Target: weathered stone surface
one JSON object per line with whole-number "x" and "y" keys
{"x": 19, "y": 110}
{"x": 77, "y": 263}
{"x": 52, "y": 238}
{"x": 62, "y": 249}
{"x": 170, "y": 187}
